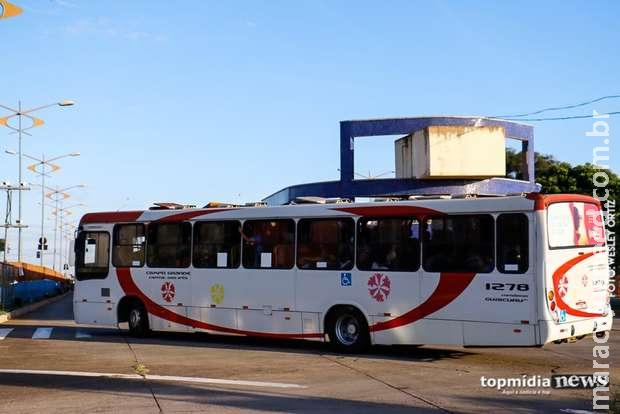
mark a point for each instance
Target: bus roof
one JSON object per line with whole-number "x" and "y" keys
{"x": 415, "y": 207}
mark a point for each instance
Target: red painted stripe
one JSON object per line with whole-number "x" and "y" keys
{"x": 542, "y": 201}
{"x": 390, "y": 211}
{"x": 131, "y": 216}
{"x": 450, "y": 286}
{"x": 131, "y": 289}
{"x": 112, "y": 217}
{"x": 557, "y": 275}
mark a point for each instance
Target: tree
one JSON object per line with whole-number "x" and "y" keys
{"x": 561, "y": 177}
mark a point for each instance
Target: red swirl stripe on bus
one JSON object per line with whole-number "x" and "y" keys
{"x": 132, "y": 216}
{"x": 450, "y": 286}
{"x": 131, "y": 289}
{"x": 561, "y": 271}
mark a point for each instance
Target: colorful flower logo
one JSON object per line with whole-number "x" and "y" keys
{"x": 217, "y": 293}
{"x": 379, "y": 286}
{"x": 168, "y": 291}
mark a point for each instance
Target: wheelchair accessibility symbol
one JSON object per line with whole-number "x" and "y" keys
{"x": 345, "y": 279}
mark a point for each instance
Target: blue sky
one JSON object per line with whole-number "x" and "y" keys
{"x": 193, "y": 101}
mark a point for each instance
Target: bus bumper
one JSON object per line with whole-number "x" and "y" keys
{"x": 551, "y": 331}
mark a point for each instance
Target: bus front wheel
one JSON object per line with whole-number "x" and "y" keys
{"x": 138, "y": 320}
{"x": 348, "y": 330}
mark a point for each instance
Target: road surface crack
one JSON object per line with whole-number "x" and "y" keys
{"x": 399, "y": 389}
{"x": 141, "y": 369}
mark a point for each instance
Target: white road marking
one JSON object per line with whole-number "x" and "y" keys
{"x": 42, "y": 333}
{"x": 4, "y": 332}
{"x": 195, "y": 380}
{"x": 82, "y": 334}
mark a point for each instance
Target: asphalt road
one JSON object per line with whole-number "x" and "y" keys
{"x": 281, "y": 376}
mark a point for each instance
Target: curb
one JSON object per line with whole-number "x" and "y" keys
{"x": 31, "y": 307}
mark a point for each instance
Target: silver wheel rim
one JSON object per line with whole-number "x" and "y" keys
{"x": 134, "y": 318}
{"x": 347, "y": 329}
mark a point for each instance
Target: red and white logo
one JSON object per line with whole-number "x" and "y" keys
{"x": 167, "y": 291}
{"x": 563, "y": 286}
{"x": 379, "y": 286}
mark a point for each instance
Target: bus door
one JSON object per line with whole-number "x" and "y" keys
{"x": 92, "y": 301}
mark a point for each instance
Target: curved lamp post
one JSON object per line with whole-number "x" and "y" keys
{"x": 20, "y": 113}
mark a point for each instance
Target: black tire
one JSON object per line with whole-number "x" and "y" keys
{"x": 347, "y": 330}
{"x": 138, "y": 320}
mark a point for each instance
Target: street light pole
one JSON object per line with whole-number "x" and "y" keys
{"x": 36, "y": 122}
{"x": 43, "y": 173}
{"x": 57, "y": 195}
{"x": 19, "y": 183}
{"x": 45, "y": 168}
{"x": 62, "y": 212}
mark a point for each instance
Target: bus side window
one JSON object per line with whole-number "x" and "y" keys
{"x": 92, "y": 255}
{"x": 128, "y": 245}
{"x": 268, "y": 244}
{"x": 388, "y": 244}
{"x": 217, "y": 244}
{"x": 459, "y": 243}
{"x": 512, "y": 243}
{"x": 325, "y": 244}
{"x": 169, "y": 244}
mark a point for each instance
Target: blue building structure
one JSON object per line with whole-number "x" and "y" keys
{"x": 348, "y": 187}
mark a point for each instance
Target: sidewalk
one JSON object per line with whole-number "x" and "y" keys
{"x": 31, "y": 307}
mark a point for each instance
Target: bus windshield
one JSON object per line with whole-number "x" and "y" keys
{"x": 575, "y": 224}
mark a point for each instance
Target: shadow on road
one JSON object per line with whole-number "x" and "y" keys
{"x": 210, "y": 341}
{"x": 59, "y": 315}
{"x": 180, "y": 394}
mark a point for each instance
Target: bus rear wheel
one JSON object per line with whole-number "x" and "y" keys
{"x": 348, "y": 330}
{"x": 138, "y": 320}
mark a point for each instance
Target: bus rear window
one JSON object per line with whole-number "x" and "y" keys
{"x": 574, "y": 224}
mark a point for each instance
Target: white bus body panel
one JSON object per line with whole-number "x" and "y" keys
{"x": 421, "y": 308}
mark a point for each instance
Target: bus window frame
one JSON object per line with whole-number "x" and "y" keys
{"x": 353, "y": 264}
{"x": 147, "y": 244}
{"x": 424, "y": 242}
{"x": 420, "y": 221}
{"x": 585, "y": 246}
{"x": 530, "y": 243}
{"x": 293, "y": 244}
{"x": 114, "y": 232}
{"x": 239, "y": 226}
{"x": 93, "y": 276}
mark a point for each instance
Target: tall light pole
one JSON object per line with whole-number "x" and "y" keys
{"x": 20, "y": 130}
{"x": 43, "y": 167}
{"x": 57, "y": 195}
{"x": 68, "y": 229}
{"x": 62, "y": 213}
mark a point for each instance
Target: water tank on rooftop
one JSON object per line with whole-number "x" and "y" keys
{"x": 440, "y": 152}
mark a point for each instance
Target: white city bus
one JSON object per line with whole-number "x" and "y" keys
{"x": 486, "y": 271}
